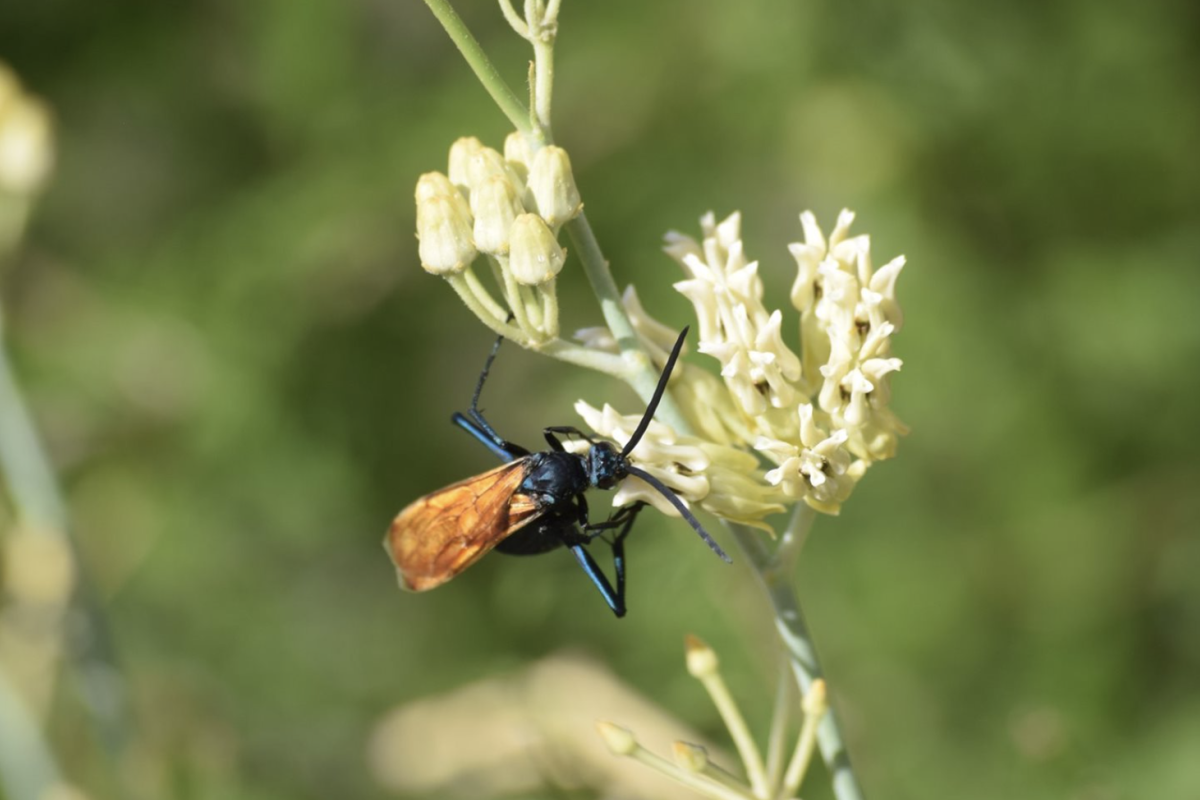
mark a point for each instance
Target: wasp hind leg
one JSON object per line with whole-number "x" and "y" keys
{"x": 614, "y": 597}
{"x": 623, "y": 519}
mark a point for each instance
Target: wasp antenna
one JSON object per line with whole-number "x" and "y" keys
{"x": 658, "y": 393}
{"x": 666, "y": 492}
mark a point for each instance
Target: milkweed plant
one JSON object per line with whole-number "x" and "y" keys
{"x": 793, "y": 421}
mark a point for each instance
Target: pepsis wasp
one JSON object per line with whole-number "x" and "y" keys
{"x": 534, "y": 503}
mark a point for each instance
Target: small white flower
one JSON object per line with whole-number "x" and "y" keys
{"x": 819, "y": 470}
{"x": 848, "y": 315}
{"x": 734, "y": 325}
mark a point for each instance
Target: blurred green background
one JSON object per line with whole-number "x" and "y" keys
{"x": 243, "y": 373}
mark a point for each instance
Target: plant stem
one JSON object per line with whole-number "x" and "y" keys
{"x": 696, "y": 782}
{"x": 642, "y": 375}
{"x": 738, "y": 731}
{"x": 468, "y": 45}
{"x": 779, "y": 725}
{"x": 798, "y": 644}
{"x": 578, "y": 355}
{"x": 543, "y": 79}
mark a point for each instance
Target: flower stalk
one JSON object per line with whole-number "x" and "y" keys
{"x": 691, "y": 764}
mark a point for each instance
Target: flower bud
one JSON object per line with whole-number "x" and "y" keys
{"x": 552, "y": 185}
{"x": 534, "y": 256}
{"x": 483, "y": 164}
{"x": 461, "y": 153}
{"x": 816, "y": 702}
{"x": 619, "y": 740}
{"x": 516, "y": 153}
{"x": 690, "y": 757}
{"x": 445, "y": 235}
{"x": 701, "y": 660}
{"x": 435, "y": 184}
{"x": 496, "y": 206}
{"x": 26, "y": 153}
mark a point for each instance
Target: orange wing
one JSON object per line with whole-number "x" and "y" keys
{"x": 443, "y": 533}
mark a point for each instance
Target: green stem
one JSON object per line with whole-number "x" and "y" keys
{"x": 468, "y": 45}
{"x": 543, "y": 82}
{"x": 642, "y": 375}
{"x": 463, "y": 286}
{"x": 597, "y": 360}
{"x": 775, "y": 577}
{"x": 514, "y": 19}
{"x": 780, "y": 718}
{"x": 699, "y": 783}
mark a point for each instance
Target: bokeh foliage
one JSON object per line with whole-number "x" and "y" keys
{"x": 243, "y": 373}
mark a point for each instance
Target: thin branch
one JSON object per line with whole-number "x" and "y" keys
{"x": 514, "y": 19}
{"x": 579, "y": 355}
{"x": 797, "y": 642}
{"x": 780, "y": 718}
{"x": 642, "y": 375}
{"x": 488, "y": 75}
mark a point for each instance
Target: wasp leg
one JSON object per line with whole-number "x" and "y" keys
{"x": 479, "y": 427}
{"x": 623, "y": 519}
{"x": 506, "y": 451}
{"x": 554, "y": 441}
{"x": 476, "y": 414}
{"x": 614, "y": 597}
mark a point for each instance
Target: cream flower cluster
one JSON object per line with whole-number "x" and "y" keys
{"x": 817, "y": 412}
{"x": 508, "y": 208}
{"x": 723, "y": 480}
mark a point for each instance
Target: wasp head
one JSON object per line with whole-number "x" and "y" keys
{"x": 605, "y": 465}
